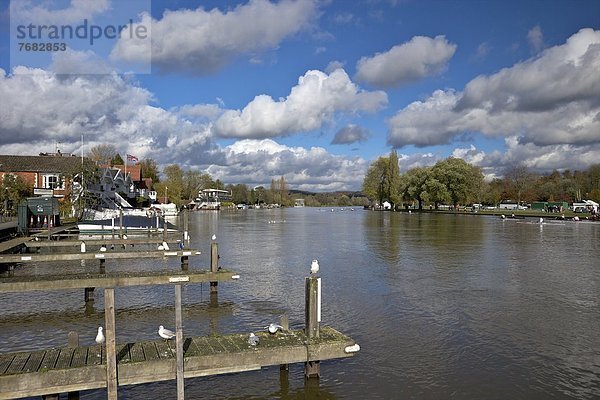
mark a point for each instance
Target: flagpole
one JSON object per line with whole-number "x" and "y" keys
{"x": 125, "y": 178}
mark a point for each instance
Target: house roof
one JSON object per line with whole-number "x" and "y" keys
{"x": 135, "y": 171}
{"x": 56, "y": 164}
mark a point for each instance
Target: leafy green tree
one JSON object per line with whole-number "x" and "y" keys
{"x": 435, "y": 192}
{"x": 462, "y": 180}
{"x": 150, "y": 170}
{"x": 117, "y": 160}
{"x": 13, "y": 189}
{"x": 382, "y": 181}
{"x": 413, "y": 184}
{"x": 191, "y": 182}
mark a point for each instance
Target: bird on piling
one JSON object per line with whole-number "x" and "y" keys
{"x": 165, "y": 333}
{"x": 214, "y": 237}
{"x": 273, "y": 328}
{"x": 100, "y": 336}
{"x": 253, "y": 339}
{"x": 314, "y": 267}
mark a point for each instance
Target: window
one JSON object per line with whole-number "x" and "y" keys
{"x": 52, "y": 182}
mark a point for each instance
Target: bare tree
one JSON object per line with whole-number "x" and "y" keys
{"x": 102, "y": 153}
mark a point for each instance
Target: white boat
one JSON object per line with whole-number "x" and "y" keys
{"x": 131, "y": 224}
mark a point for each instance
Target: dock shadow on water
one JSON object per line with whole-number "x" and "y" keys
{"x": 442, "y": 305}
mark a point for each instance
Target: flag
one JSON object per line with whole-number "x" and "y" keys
{"x": 132, "y": 158}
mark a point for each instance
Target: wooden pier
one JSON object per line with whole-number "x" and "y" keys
{"x": 47, "y": 372}
{"x": 66, "y": 369}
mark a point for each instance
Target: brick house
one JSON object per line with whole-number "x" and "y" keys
{"x": 47, "y": 174}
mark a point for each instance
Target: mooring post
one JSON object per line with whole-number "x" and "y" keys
{"x": 179, "y": 343}
{"x": 214, "y": 264}
{"x": 284, "y": 321}
{"x": 186, "y": 225}
{"x": 164, "y": 229}
{"x": 88, "y": 295}
{"x": 312, "y": 369}
{"x": 111, "y": 351}
{"x": 120, "y": 223}
{"x": 73, "y": 341}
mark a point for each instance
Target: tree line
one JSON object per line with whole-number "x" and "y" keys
{"x": 455, "y": 182}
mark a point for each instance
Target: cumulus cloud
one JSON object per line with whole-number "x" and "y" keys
{"x": 53, "y": 109}
{"x": 350, "y": 134}
{"x": 406, "y": 63}
{"x": 200, "y": 41}
{"x": 313, "y": 102}
{"x": 546, "y": 101}
{"x": 255, "y": 162}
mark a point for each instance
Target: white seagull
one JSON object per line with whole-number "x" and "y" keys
{"x": 103, "y": 248}
{"x": 165, "y": 333}
{"x": 253, "y": 339}
{"x": 214, "y": 237}
{"x": 273, "y": 328}
{"x": 541, "y": 220}
{"x": 165, "y": 246}
{"x": 314, "y": 267}
{"x": 100, "y": 336}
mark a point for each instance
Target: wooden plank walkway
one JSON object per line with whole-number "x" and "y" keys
{"x": 99, "y": 242}
{"x": 117, "y": 279}
{"x": 107, "y": 255}
{"x": 66, "y": 369}
{"x": 13, "y": 243}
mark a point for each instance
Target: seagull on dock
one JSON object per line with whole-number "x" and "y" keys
{"x": 273, "y": 328}
{"x": 314, "y": 267}
{"x": 100, "y": 336}
{"x": 103, "y": 248}
{"x": 165, "y": 246}
{"x": 253, "y": 339}
{"x": 165, "y": 333}
{"x": 160, "y": 247}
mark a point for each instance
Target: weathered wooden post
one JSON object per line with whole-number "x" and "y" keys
{"x": 179, "y": 343}
{"x": 73, "y": 341}
{"x": 111, "y": 351}
{"x": 312, "y": 369}
{"x": 284, "y": 321}
{"x": 164, "y": 229}
{"x": 88, "y": 295}
{"x": 214, "y": 264}
{"x": 186, "y": 226}
{"x": 120, "y": 223}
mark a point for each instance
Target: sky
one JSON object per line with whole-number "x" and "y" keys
{"x": 310, "y": 90}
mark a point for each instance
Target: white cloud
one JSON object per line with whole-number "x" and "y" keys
{"x": 199, "y": 41}
{"x": 406, "y": 63}
{"x": 333, "y": 65}
{"x": 535, "y": 37}
{"x": 53, "y": 109}
{"x": 255, "y": 162}
{"x": 312, "y": 103}
{"x": 549, "y": 100}
{"x": 37, "y": 12}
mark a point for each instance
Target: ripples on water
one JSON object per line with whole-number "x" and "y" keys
{"x": 443, "y": 306}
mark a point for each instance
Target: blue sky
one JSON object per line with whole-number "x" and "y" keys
{"x": 312, "y": 90}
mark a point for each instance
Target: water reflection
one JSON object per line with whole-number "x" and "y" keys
{"x": 442, "y": 305}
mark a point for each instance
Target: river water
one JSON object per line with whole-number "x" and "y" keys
{"x": 443, "y": 306}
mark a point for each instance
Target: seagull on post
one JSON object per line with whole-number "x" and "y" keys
{"x": 100, "y": 336}
{"x": 314, "y": 267}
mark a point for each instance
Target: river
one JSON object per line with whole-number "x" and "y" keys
{"x": 443, "y": 306}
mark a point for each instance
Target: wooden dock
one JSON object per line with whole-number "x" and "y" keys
{"x": 67, "y": 369}
{"x": 106, "y": 255}
{"x": 118, "y": 279}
